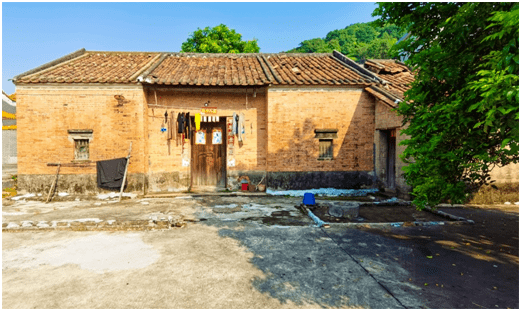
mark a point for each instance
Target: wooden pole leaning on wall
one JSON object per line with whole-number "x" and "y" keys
{"x": 53, "y": 186}
{"x": 125, "y": 175}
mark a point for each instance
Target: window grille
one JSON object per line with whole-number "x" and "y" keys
{"x": 81, "y": 149}
{"x": 325, "y": 149}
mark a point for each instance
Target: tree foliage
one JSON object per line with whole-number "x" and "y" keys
{"x": 462, "y": 111}
{"x": 219, "y": 39}
{"x": 360, "y": 41}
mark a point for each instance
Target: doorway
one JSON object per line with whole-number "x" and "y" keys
{"x": 208, "y": 160}
{"x": 391, "y": 158}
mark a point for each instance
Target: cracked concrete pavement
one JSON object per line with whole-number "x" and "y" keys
{"x": 245, "y": 252}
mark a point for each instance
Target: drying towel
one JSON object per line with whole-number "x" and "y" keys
{"x": 197, "y": 121}
{"x": 234, "y": 124}
{"x": 110, "y": 173}
{"x": 240, "y": 127}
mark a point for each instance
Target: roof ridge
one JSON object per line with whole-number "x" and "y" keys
{"x": 353, "y": 65}
{"x": 53, "y": 63}
{"x": 151, "y": 67}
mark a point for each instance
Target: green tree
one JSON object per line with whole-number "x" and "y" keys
{"x": 219, "y": 39}
{"x": 316, "y": 45}
{"x": 359, "y": 41}
{"x": 462, "y": 110}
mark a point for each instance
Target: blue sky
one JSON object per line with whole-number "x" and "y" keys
{"x": 36, "y": 33}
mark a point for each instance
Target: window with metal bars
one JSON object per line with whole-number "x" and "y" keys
{"x": 81, "y": 149}
{"x": 325, "y": 149}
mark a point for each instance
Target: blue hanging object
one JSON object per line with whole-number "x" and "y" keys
{"x": 309, "y": 199}
{"x": 163, "y": 129}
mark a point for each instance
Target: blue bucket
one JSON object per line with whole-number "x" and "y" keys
{"x": 309, "y": 198}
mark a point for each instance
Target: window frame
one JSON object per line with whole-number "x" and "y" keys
{"x": 327, "y": 152}
{"x": 325, "y": 135}
{"x": 79, "y": 137}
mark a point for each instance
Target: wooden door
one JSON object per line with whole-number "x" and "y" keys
{"x": 209, "y": 159}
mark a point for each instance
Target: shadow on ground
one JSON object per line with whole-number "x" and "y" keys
{"x": 452, "y": 266}
{"x": 457, "y": 266}
{"x": 302, "y": 264}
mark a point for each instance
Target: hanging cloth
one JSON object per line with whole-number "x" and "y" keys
{"x": 197, "y": 121}
{"x": 234, "y": 124}
{"x": 174, "y": 129}
{"x": 187, "y": 126}
{"x": 110, "y": 173}
{"x": 240, "y": 126}
{"x": 180, "y": 121}
{"x": 169, "y": 126}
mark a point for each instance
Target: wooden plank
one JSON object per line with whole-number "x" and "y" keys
{"x": 125, "y": 175}
{"x": 53, "y": 186}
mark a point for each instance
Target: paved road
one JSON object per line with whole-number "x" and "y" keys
{"x": 249, "y": 255}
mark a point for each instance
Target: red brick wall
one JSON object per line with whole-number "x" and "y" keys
{"x": 45, "y": 115}
{"x": 293, "y": 116}
{"x": 162, "y": 158}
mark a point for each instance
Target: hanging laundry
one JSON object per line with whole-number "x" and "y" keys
{"x": 110, "y": 173}
{"x": 176, "y": 126}
{"x": 234, "y": 124}
{"x": 241, "y": 127}
{"x": 187, "y": 125}
{"x": 197, "y": 121}
{"x": 217, "y": 119}
{"x": 169, "y": 127}
{"x": 180, "y": 121}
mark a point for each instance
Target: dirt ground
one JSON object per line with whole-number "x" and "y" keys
{"x": 379, "y": 214}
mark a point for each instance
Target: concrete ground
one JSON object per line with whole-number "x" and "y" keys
{"x": 256, "y": 252}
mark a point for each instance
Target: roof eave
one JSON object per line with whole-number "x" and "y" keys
{"x": 51, "y": 64}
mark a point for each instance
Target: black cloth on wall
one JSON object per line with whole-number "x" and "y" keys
{"x": 110, "y": 173}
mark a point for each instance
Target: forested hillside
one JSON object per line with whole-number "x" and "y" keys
{"x": 358, "y": 41}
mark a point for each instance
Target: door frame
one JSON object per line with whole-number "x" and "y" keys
{"x": 225, "y": 143}
{"x": 391, "y": 158}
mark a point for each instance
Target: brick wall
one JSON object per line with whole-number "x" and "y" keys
{"x": 165, "y": 158}
{"x": 385, "y": 118}
{"x": 46, "y": 114}
{"x": 295, "y": 113}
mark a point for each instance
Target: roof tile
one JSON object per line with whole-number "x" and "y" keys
{"x": 397, "y": 74}
{"x": 202, "y": 69}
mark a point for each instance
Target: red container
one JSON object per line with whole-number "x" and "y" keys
{"x": 244, "y": 187}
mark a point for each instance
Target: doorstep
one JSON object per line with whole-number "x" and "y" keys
{"x": 204, "y": 194}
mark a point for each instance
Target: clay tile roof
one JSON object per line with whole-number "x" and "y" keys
{"x": 396, "y": 73}
{"x": 308, "y": 69}
{"x": 253, "y": 69}
{"x": 93, "y": 67}
{"x": 200, "y": 69}
{"x": 208, "y": 69}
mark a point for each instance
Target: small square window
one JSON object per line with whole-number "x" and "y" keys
{"x": 81, "y": 149}
{"x": 325, "y": 149}
{"x": 81, "y": 139}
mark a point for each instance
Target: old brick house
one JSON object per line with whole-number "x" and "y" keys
{"x": 307, "y": 121}
{"x": 388, "y": 124}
